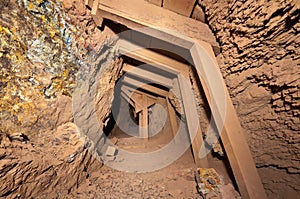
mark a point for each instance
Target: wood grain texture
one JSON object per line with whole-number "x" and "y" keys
{"x": 183, "y": 7}
{"x": 137, "y": 14}
{"x": 156, "y": 2}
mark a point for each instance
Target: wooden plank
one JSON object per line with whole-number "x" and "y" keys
{"x": 124, "y": 95}
{"x": 128, "y": 96}
{"x": 146, "y": 87}
{"x": 143, "y": 119}
{"x": 183, "y": 7}
{"x": 137, "y": 97}
{"x": 95, "y": 7}
{"x": 134, "y": 97}
{"x": 155, "y": 2}
{"x": 93, "y": 4}
{"x": 144, "y": 74}
{"x": 189, "y": 106}
{"x": 173, "y": 119}
{"x": 89, "y": 3}
{"x": 138, "y": 13}
{"x": 233, "y": 139}
{"x": 150, "y": 57}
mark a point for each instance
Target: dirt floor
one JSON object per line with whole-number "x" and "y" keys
{"x": 175, "y": 181}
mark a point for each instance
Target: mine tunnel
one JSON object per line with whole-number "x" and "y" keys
{"x": 149, "y": 99}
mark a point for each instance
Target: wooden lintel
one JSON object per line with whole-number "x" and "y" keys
{"x": 152, "y": 58}
{"x": 135, "y": 94}
{"x": 137, "y": 98}
{"x": 138, "y": 13}
{"x": 152, "y": 89}
{"x": 183, "y": 7}
{"x": 147, "y": 75}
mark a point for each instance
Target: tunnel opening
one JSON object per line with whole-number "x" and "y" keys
{"x": 157, "y": 49}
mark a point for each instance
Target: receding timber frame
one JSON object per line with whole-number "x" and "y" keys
{"x": 231, "y": 132}
{"x": 201, "y": 54}
{"x": 137, "y": 84}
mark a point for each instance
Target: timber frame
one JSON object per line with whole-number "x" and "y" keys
{"x": 200, "y": 52}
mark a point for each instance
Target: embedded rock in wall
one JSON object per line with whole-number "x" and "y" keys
{"x": 260, "y": 62}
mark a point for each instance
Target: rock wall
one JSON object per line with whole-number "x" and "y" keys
{"x": 260, "y": 61}
{"x": 42, "y": 154}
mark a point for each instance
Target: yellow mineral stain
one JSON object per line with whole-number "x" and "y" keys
{"x": 30, "y": 6}
{"x": 43, "y": 18}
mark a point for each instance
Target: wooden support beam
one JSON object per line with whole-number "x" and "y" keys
{"x": 143, "y": 119}
{"x": 94, "y": 4}
{"x": 152, "y": 58}
{"x": 189, "y": 106}
{"x": 152, "y": 89}
{"x": 89, "y": 3}
{"x": 183, "y": 7}
{"x": 137, "y": 97}
{"x": 95, "y": 7}
{"x": 132, "y": 101}
{"x": 173, "y": 119}
{"x": 232, "y": 136}
{"x": 144, "y": 74}
{"x": 125, "y": 96}
{"x": 155, "y": 2}
{"x": 134, "y": 97}
{"x": 137, "y": 13}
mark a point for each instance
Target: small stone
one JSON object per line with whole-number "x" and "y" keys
{"x": 111, "y": 151}
{"x": 71, "y": 157}
{"x": 211, "y": 181}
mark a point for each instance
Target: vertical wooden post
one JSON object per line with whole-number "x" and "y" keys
{"x": 143, "y": 118}
{"x": 192, "y": 121}
{"x": 172, "y": 116}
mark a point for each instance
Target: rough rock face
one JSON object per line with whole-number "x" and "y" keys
{"x": 51, "y": 167}
{"x": 260, "y": 61}
{"x": 41, "y": 152}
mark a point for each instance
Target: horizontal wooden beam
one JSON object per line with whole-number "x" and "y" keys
{"x": 152, "y": 89}
{"x": 143, "y": 73}
{"x": 137, "y": 13}
{"x": 135, "y": 95}
{"x": 153, "y": 58}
